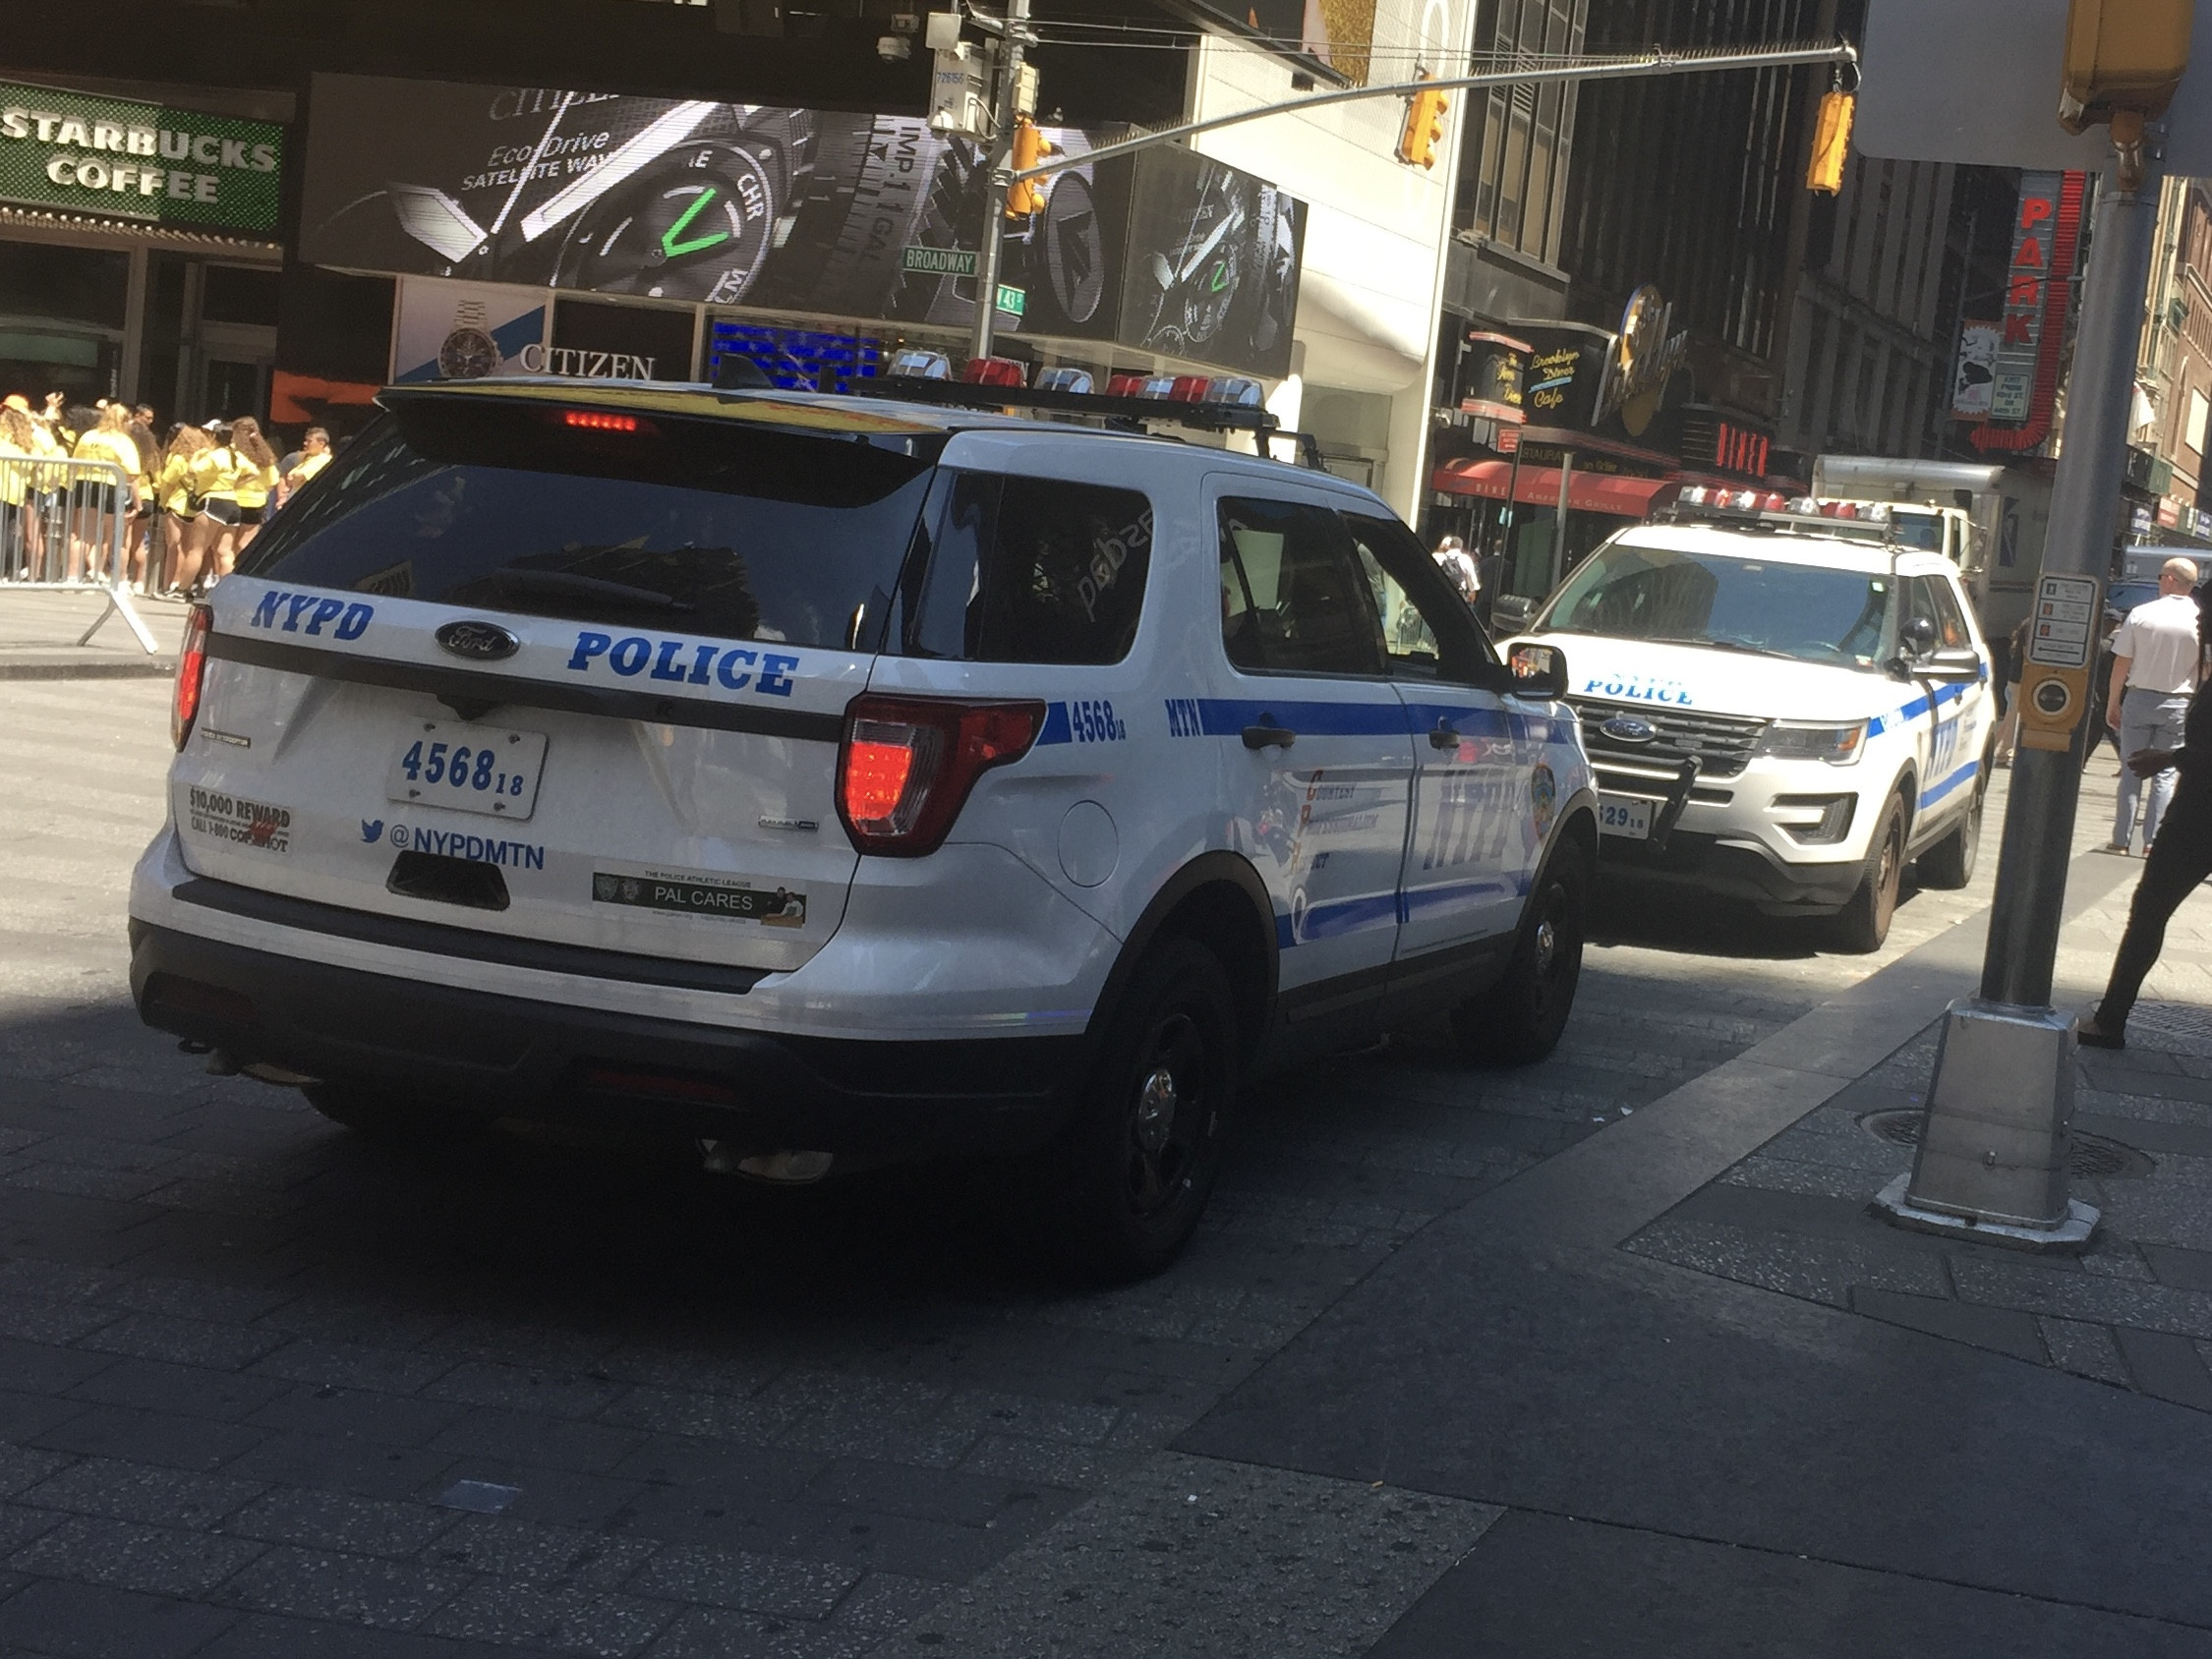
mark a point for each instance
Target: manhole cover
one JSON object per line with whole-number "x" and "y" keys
{"x": 2097, "y": 1157}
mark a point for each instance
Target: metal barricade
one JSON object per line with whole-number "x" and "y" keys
{"x": 65, "y": 527}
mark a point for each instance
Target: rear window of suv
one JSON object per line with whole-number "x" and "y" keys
{"x": 731, "y": 528}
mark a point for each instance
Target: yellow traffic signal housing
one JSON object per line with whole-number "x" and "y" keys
{"x": 1423, "y": 129}
{"x": 1832, "y": 142}
{"x": 2122, "y": 57}
{"x": 1025, "y": 196}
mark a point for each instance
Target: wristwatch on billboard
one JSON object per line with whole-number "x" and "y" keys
{"x": 468, "y": 353}
{"x": 690, "y": 208}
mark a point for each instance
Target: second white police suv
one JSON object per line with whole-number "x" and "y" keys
{"x": 1782, "y": 703}
{"x": 835, "y": 781}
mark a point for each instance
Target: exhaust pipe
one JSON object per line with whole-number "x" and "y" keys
{"x": 779, "y": 1168}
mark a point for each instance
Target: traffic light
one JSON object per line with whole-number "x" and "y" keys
{"x": 1832, "y": 142}
{"x": 1025, "y": 196}
{"x": 1425, "y": 128}
{"x": 2124, "y": 59}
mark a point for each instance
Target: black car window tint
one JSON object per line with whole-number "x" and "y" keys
{"x": 1295, "y": 599}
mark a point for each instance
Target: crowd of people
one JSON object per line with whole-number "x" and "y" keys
{"x": 189, "y": 503}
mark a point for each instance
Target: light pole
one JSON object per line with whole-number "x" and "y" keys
{"x": 1994, "y": 1149}
{"x": 1017, "y": 39}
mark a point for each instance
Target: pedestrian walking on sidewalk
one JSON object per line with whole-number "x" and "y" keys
{"x": 2154, "y": 671}
{"x": 2181, "y": 857}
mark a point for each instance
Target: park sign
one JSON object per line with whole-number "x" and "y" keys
{"x": 119, "y": 159}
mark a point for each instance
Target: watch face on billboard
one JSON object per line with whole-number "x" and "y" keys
{"x": 1212, "y": 266}
{"x": 867, "y": 216}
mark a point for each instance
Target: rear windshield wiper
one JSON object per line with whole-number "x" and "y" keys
{"x": 562, "y": 584}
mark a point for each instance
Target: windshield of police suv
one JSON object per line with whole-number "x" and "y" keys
{"x": 1666, "y": 596}
{"x": 730, "y": 527}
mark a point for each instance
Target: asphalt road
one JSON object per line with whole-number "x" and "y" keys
{"x": 264, "y": 1388}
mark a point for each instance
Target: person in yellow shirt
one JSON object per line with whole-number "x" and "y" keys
{"x": 314, "y": 455}
{"x": 256, "y": 479}
{"x": 214, "y": 482}
{"x": 18, "y": 530}
{"x": 234, "y": 480}
{"x": 180, "y": 507}
{"x": 97, "y": 509}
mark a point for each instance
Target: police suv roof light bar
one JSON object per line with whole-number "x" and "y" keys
{"x": 1773, "y": 510}
{"x": 1224, "y": 403}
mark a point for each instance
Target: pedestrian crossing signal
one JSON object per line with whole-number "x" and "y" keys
{"x": 1423, "y": 129}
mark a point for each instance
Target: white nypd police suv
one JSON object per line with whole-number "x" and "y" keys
{"x": 838, "y": 780}
{"x": 1783, "y": 702}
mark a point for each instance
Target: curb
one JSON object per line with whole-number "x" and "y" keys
{"x": 123, "y": 668}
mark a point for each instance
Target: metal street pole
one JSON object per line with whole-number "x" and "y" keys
{"x": 1992, "y": 1163}
{"x": 1016, "y": 39}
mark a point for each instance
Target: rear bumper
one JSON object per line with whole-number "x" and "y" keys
{"x": 488, "y": 1054}
{"x": 1738, "y": 870}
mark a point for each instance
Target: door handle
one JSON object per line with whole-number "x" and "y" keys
{"x": 1268, "y": 737}
{"x": 1444, "y": 735}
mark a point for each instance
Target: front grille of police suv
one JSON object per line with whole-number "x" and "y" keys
{"x": 1721, "y": 743}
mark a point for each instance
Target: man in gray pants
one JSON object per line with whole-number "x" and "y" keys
{"x": 2153, "y": 674}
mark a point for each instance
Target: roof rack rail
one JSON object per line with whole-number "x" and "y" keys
{"x": 1123, "y": 413}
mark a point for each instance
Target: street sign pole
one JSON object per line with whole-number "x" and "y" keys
{"x": 1000, "y": 179}
{"x": 1992, "y": 1161}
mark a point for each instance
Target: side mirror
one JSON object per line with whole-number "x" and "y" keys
{"x": 1920, "y": 636}
{"x": 1960, "y": 664}
{"x": 1539, "y": 672}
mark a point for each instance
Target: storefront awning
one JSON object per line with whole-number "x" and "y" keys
{"x": 1588, "y": 493}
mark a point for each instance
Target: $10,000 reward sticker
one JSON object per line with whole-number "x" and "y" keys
{"x": 242, "y": 822}
{"x": 693, "y": 896}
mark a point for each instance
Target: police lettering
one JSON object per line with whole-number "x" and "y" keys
{"x": 768, "y": 673}
{"x": 311, "y": 613}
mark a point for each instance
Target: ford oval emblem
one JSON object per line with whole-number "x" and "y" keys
{"x": 481, "y": 642}
{"x": 1627, "y": 728}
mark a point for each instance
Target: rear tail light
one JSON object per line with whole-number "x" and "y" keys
{"x": 907, "y": 764}
{"x": 601, "y": 421}
{"x": 191, "y": 670}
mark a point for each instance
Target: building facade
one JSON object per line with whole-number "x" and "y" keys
{"x": 2172, "y": 401}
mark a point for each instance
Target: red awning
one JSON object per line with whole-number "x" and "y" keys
{"x": 1588, "y": 493}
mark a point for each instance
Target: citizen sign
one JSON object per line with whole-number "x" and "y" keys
{"x": 574, "y": 364}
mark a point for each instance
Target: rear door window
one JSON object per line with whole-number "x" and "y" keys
{"x": 1294, "y": 595}
{"x": 1427, "y": 629}
{"x": 1033, "y": 570}
{"x": 731, "y": 528}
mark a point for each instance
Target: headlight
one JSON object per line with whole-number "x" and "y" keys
{"x": 1797, "y": 740}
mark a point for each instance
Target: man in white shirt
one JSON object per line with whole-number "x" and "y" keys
{"x": 1452, "y": 559}
{"x": 2154, "y": 673}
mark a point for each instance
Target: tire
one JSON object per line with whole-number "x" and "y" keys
{"x": 386, "y": 1116}
{"x": 1863, "y": 923}
{"x": 1951, "y": 862}
{"x": 1521, "y": 1019}
{"x": 1126, "y": 1183}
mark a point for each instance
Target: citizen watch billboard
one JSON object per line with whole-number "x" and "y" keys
{"x": 792, "y": 210}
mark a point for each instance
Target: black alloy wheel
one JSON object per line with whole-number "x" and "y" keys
{"x": 1132, "y": 1174}
{"x": 1522, "y": 1017}
{"x": 1864, "y": 921}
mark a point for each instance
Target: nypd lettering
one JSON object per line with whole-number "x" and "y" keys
{"x": 766, "y": 673}
{"x": 311, "y": 613}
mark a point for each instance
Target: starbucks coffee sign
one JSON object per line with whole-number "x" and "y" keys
{"x": 123, "y": 160}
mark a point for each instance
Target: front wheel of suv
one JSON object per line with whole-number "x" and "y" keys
{"x": 1863, "y": 923}
{"x": 1130, "y": 1177}
{"x": 1521, "y": 1019}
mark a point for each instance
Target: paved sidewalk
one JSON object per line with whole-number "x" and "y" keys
{"x": 38, "y": 634}
{"x": 1722, "y": 1409}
